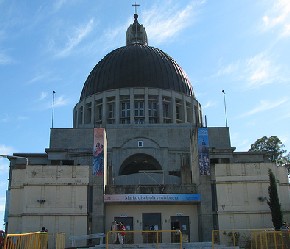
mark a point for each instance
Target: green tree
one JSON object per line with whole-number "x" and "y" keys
{"x": 274, "y": 149}
{"x": 273, "y": 202}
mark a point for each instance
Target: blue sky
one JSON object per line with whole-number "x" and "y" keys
{"x": 241, "y": 47}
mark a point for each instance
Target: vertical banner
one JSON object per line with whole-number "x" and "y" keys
{"x": 98, "y": 152}
{"x": 203, "y": 152}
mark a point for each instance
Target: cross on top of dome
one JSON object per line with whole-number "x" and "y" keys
{"x": 135, "y": 5}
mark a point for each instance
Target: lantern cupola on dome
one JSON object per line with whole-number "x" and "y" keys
{"x": 136, "y": 33}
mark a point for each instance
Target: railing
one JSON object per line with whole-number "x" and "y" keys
{"x": 84, "y": 239}
{"x": 34, "y": 240}
{"x": 153, "y": 237}
{"x": 252, "y": 239}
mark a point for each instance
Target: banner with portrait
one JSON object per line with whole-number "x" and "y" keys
{"x": 98, "y": 152}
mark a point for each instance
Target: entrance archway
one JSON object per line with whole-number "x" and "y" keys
{"x": 139, "y": 162}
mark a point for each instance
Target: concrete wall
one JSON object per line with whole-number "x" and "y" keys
{"x": 50, "y": 196}
{"x": 242, "y": 190}
{"x": 166, "y": 143}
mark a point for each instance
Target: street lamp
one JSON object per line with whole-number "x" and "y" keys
{"x": 225, "y": 106}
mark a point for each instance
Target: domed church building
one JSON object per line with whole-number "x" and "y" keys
{"x": 140, "y": 153}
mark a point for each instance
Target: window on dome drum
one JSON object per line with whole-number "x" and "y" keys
{"x": 98, "y": 111}
{"x": 88, "y": 113}
{"x": 166, "y": 110}
{"x": 125, "y": 110}
{"x": 200, "y": 116}
{"x": 196, "y": 115}
{"x": 189, "y": 112}
{"x": 111, "y": 110}
{"x": 153, "y": 109}
{"x": 139, "y": 109}
{"x": 80, "y": 115}
{"x": 178, "y": 110}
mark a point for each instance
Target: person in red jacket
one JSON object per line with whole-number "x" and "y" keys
{"x": 122, "y": 233}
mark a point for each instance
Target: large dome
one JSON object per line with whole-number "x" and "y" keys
{"x": 136, "y": 65}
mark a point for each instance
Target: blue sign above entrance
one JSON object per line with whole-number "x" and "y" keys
{"x": 152, "y": 198}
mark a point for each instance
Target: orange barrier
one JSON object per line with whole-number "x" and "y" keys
{"x": 252, "y": 239}
{"x": 60, "y": 241}
{"x": 36, "y": 240}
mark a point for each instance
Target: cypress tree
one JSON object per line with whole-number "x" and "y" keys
{"x": 273, "y": 202}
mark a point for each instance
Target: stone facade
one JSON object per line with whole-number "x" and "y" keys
{"x": 151, "y": 177}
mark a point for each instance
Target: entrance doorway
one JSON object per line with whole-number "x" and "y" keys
{"x": 128, "y": 223}
{"x": 151, "y": 222}
{"x": 180, "y": 223}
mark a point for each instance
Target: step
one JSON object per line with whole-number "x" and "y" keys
{"x": 191, "y": 245}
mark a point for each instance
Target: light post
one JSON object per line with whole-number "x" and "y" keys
{"x": 225, "y": 106}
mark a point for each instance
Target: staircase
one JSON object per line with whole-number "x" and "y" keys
{"x": 191, "y": 245}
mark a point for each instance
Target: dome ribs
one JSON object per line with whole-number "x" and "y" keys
{"x": 136, "y": 66}
{"x": 152, "y": 64}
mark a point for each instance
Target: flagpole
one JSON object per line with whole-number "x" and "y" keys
{"x": 223, "y": 91}
{"x": 53, "y": 92}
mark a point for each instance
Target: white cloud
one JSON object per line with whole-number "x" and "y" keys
{"x": 43, "y": 77}
{"x": 228, "y": 69}
{"x": 45, "y": 103}
{"x": 5, "y": 150}
{"x": 161, "y": 23}
{"x": 60, "y": 101}
{"x": 286, "y": 31}
{"x": 37, "y": 78}
{"x": 74, "y": 39}
{"x": 164, "y": 22}
{"x": 22, "y": 118}
{"x": 286, "y": 116}
{"x": 5, "y": 59}
{"x": 43, "y": 96}
{"x": 260, "y": 71}
{"x": 243, "y": 143}
{"x": 5, "y": 118}
{"x": 264, "y": 106}
{"x": 284, "y": 138}
{"x": 2, "y": 205}
{"x": 4, "y": 166}
{"x": 4, "y": 163}
{"x": 208, "y": 104}
{"x": 256, "y": 71}
{"x": 278, "y": 17}
{"x": 112, "y": 37}
{"x": 58, "y": 4}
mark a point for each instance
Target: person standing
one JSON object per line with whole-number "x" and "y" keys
{"x": 121, "y": 234}
{"x": 114, "y": 229}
